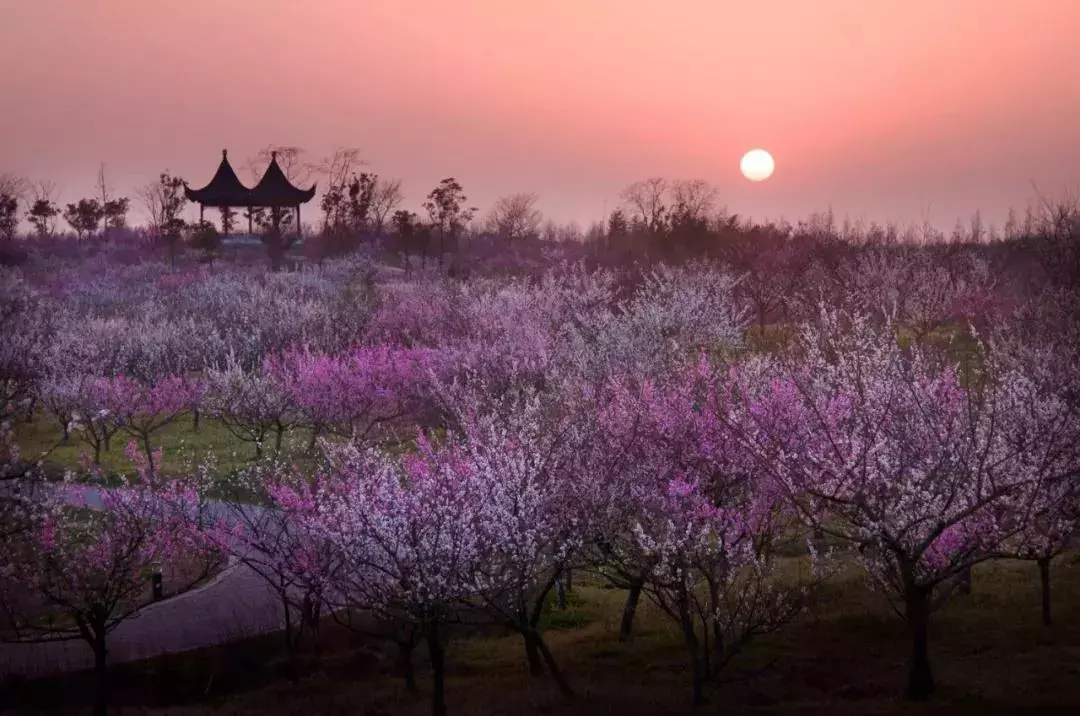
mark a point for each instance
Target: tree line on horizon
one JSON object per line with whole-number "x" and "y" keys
{"x": 657, "y": 218}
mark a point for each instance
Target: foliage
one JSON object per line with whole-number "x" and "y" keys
{"x": 84, "y": 216}
{"x": 42, "y": 214}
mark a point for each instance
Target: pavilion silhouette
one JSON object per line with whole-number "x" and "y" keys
{"x": 273, "y": 191}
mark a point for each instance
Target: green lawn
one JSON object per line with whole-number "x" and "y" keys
{"x": 181, "y": 445}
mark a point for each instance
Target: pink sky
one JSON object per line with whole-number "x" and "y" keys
{"x": 882, "y": 108}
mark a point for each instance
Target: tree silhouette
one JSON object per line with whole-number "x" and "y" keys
{"x": 645, "y": 199}
{"x": 115, "y": 212}
{"x": 164, "y": 201}
{"x": 445, "y": 206}
{"x": 84, "y": 216}
{"x": 43, "y": 210}
{"x": 515, "y": 217}
{"x": 617, "y": 224}
{"x": 114, "y": 209}
{"x": 12, "y": 189}
{"x": 9, "y": 216}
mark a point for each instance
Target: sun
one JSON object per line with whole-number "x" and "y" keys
{"x": 757, "y": 165}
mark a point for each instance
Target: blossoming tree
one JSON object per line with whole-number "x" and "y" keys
{"x": 925, "y": 470}
{"x": 695, "y": 522}
{"x": 82, "y": 566}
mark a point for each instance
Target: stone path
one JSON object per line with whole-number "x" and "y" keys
{"x": 237, "y": 603}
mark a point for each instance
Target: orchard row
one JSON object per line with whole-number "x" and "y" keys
{"x": 487, "y": 438}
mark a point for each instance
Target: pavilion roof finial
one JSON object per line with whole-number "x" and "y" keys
{"x": 224, "y": 189}
{"x": 273, "y": 155}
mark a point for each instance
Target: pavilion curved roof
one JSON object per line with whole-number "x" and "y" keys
{"x": 275, "y": 189}
{"x": 224, "y": 189}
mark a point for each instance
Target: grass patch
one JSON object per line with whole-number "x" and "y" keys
{"x": 848, "y": 656}
{"x": 181, "y": 444}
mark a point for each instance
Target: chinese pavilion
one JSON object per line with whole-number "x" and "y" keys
{"x": 274, "y": 191}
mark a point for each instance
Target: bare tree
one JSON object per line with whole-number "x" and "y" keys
{"x": 1058, "y": 223}
{"x": 289, "y": 158}
{"x": 645, "y": 200}
{"x": 337, "y": 169}
{"x": 978, "y": 229}
{"x": 12, "y": 191}
{"x": 571, "y": 232}
{"x": 164, "y": 201}
{"x": 114, "y": 210}
{"x": 103, "y": 189}
{"x": 695, "y": 199}
{"x": 515, "y": 216}
{"x": 549, "y": 231}
{"x": 386, "y": 198}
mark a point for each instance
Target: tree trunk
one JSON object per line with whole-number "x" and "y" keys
{"x": 714, "y": 653}
{"x": 717, "y": 645}
{"x": 920, "y": 677}
{"x": 290, "y": 642}
{"x": 697, "y": 670}
{"x": 1044, "y": 580}
{"x": 195, "y": 421}
{"x": 965, "y": 581}
{"x": 312, "y": 617}
{"x": 405, "y": 663}
{"x": 556, "y": 672}
{"x": 438, "y": 672}
{"x": 149, "y": 455}
{"x": 532, "y": 652}
{"x": 97, "y": 453}
{"x": 626, "y": 627}
{"x": 560, "y": 595}
{"x": 101, "y": 674}
{"x": 279, "y": 433}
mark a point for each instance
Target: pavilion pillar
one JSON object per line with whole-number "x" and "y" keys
{"x": 298, "y": 221}
{"x": 201, "y": 209}
{"x": 251, "y": 209}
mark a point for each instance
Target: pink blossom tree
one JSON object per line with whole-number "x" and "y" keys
{"x": 143, "y": 409}
{"x": 26, "y": 326}
{"x": 357, "y": 394}
{"x": 79, "y": 572}
{"x": 264, "y": 519}
{"x": 77, "y": 402}
{"x": 1050, "y": 362}
{"x": 889, "y": 450}
{"x": 251, "y": 404}
{"x": 1050, "y": 529}
{"x": 407, "y": 531}
{"x": 532, "y": 460}
{"x": 694, "y": 522}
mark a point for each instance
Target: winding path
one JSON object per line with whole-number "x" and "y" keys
{"x": 237, "y": 603}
